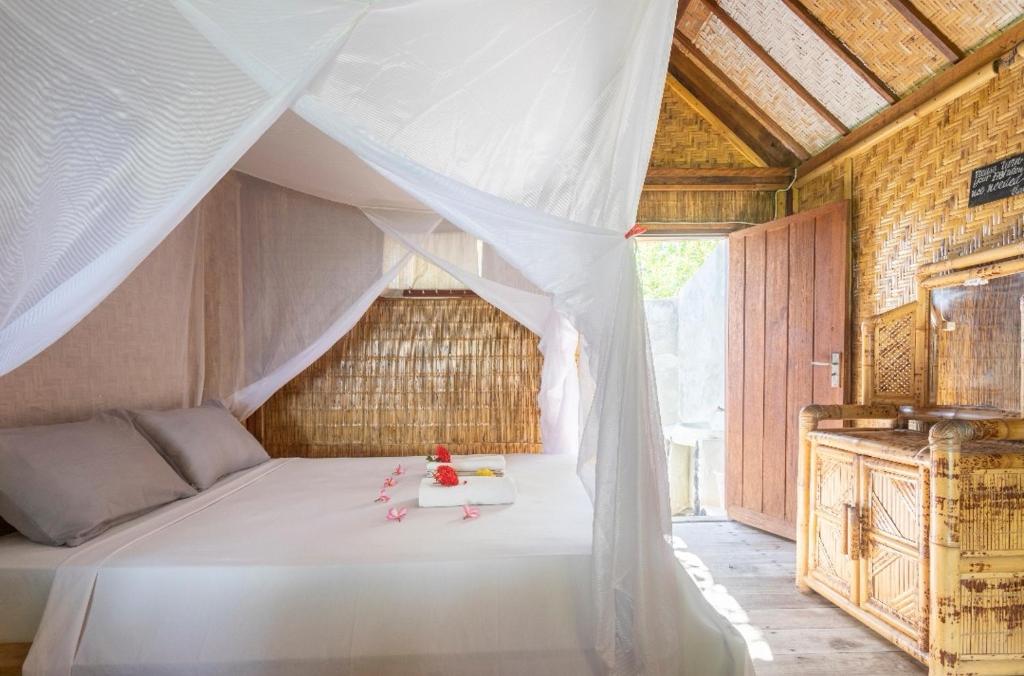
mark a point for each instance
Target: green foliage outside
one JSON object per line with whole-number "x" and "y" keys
{"x": 665, "y": 265}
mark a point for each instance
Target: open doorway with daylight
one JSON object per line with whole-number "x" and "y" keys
{"x": 684, "y": 286}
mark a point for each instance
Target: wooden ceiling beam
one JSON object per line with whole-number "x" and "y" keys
{"x": 735, "y": 117}
{"x": 976, "y": 67}
{"x": 714, "y": 121}
{"x": 925, "y": 27}
{"x": 841, "y": 50}
{"x": 683, "y": 44}
{"x": 717, "y": 178}
{"x": 773, "y": 65}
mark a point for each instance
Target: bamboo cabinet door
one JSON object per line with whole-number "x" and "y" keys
{"x": 894, "y": 557}
{"x": 787, "y": 321}
{"x": 833, "y": 521}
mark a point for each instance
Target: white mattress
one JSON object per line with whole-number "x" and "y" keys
{"x": 26, "y": 573}
{"x": 292, "y": 568}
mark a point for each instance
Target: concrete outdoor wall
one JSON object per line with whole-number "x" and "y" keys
{"x": 688, "y": 345}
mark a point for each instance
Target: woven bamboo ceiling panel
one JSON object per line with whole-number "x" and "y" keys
{"x": 807, "y": 58}
{"x": 685, "y": 139}
{"x": 969, "y": 22}
{"x": 763, "y": 86}
{"x": 885, "y": 41}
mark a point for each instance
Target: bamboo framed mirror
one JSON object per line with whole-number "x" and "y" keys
{"x": 968, "y": 320}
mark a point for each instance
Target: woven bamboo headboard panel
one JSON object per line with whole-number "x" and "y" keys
{"x": 414, "y": 372}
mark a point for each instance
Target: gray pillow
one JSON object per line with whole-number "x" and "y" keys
{"x": 64, "y": 484}
{"x": 202, "y": 444}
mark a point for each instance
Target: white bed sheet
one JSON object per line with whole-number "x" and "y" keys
{"x": 292, "y": 568}
{"x": 26, "y": 573}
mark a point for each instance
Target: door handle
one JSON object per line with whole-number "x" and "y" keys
{"x": 835, "y": 365}
{"x": 850, "y": 535}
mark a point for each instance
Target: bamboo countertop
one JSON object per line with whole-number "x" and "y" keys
{"x": 903, "y": 446}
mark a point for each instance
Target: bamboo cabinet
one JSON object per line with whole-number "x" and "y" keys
{"x": 919, "y": 536}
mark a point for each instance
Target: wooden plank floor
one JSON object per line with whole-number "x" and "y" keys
{"x": 748, "y": 575}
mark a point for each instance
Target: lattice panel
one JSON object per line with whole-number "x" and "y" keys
{"x": 894, "y": 357}
{"x": 894, "y": 505}
{"x": 892, "y": 585}
{"x": 992, "y": 511}
{"x": 991, "y": 618}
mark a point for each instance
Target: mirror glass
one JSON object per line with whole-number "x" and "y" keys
{"x": 976, "y": 344}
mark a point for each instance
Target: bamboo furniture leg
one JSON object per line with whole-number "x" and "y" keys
{"x": 946, "y": 440}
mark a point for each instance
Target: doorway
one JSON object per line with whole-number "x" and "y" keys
{"x": 684, "y": 286}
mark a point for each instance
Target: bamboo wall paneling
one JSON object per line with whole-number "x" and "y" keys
{"x": 925, "y": 27}
{"x": 734, "y": 90}
{"x": 787, "y": 286}
{"x": 685, "y": 138}
{"x": 414, "y": 372}
{"x": 664, "y": 210}
{"x": 774, "y": 66}
{"x": 969, "y": 22}
{"x": 910, "y": 194}
{"x": 972, "y": 72}
{"x": 883, "y": 39}
{"x": 715, "y": 94}
{"x": 759, "y": 88}
{"x": 749, "y": 154}
{"x": 807, "y": 59}
{"x": 800, "y": 10}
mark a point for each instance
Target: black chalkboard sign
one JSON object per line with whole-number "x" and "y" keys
{"x": 995, "y": 181}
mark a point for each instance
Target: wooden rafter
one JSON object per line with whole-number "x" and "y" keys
{"x": 773, "y": 65}
{"x": 841, "y": 50}
{"x": 736, "y": 117}
{"x": 714, "y": 121}
{"x": 977, "y": 66}
{"x": 718, "y": 178}
{"x": 923, "y": 24}
{"x": 683, "y": 44}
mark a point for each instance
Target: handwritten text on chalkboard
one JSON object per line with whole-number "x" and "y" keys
{"x": 995, "y": 181}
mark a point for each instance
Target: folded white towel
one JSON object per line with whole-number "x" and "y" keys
{"x": 471, "y": 463}
{"x": 473, "y": 490}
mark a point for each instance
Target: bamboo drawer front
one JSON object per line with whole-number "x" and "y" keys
{"x": 918, "y": 536}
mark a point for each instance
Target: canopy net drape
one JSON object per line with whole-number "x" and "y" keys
{"x": 504, "y": 142}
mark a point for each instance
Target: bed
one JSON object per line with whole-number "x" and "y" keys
{"x": 292, "y": 568}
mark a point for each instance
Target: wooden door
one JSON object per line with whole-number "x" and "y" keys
{"x": 787, "y": 315}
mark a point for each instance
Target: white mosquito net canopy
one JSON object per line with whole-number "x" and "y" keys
{"x": 505, "y": 142}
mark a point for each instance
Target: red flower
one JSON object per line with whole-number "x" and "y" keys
{"x": 442, "y": 454}
{"x": 446, "y": 476}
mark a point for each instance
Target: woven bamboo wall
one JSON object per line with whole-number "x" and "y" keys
{"x": 909, "y": 193}
{"x": 667, "y": 207}
{"x": 685, "y": 139}
{"x": 411, "y": 374}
